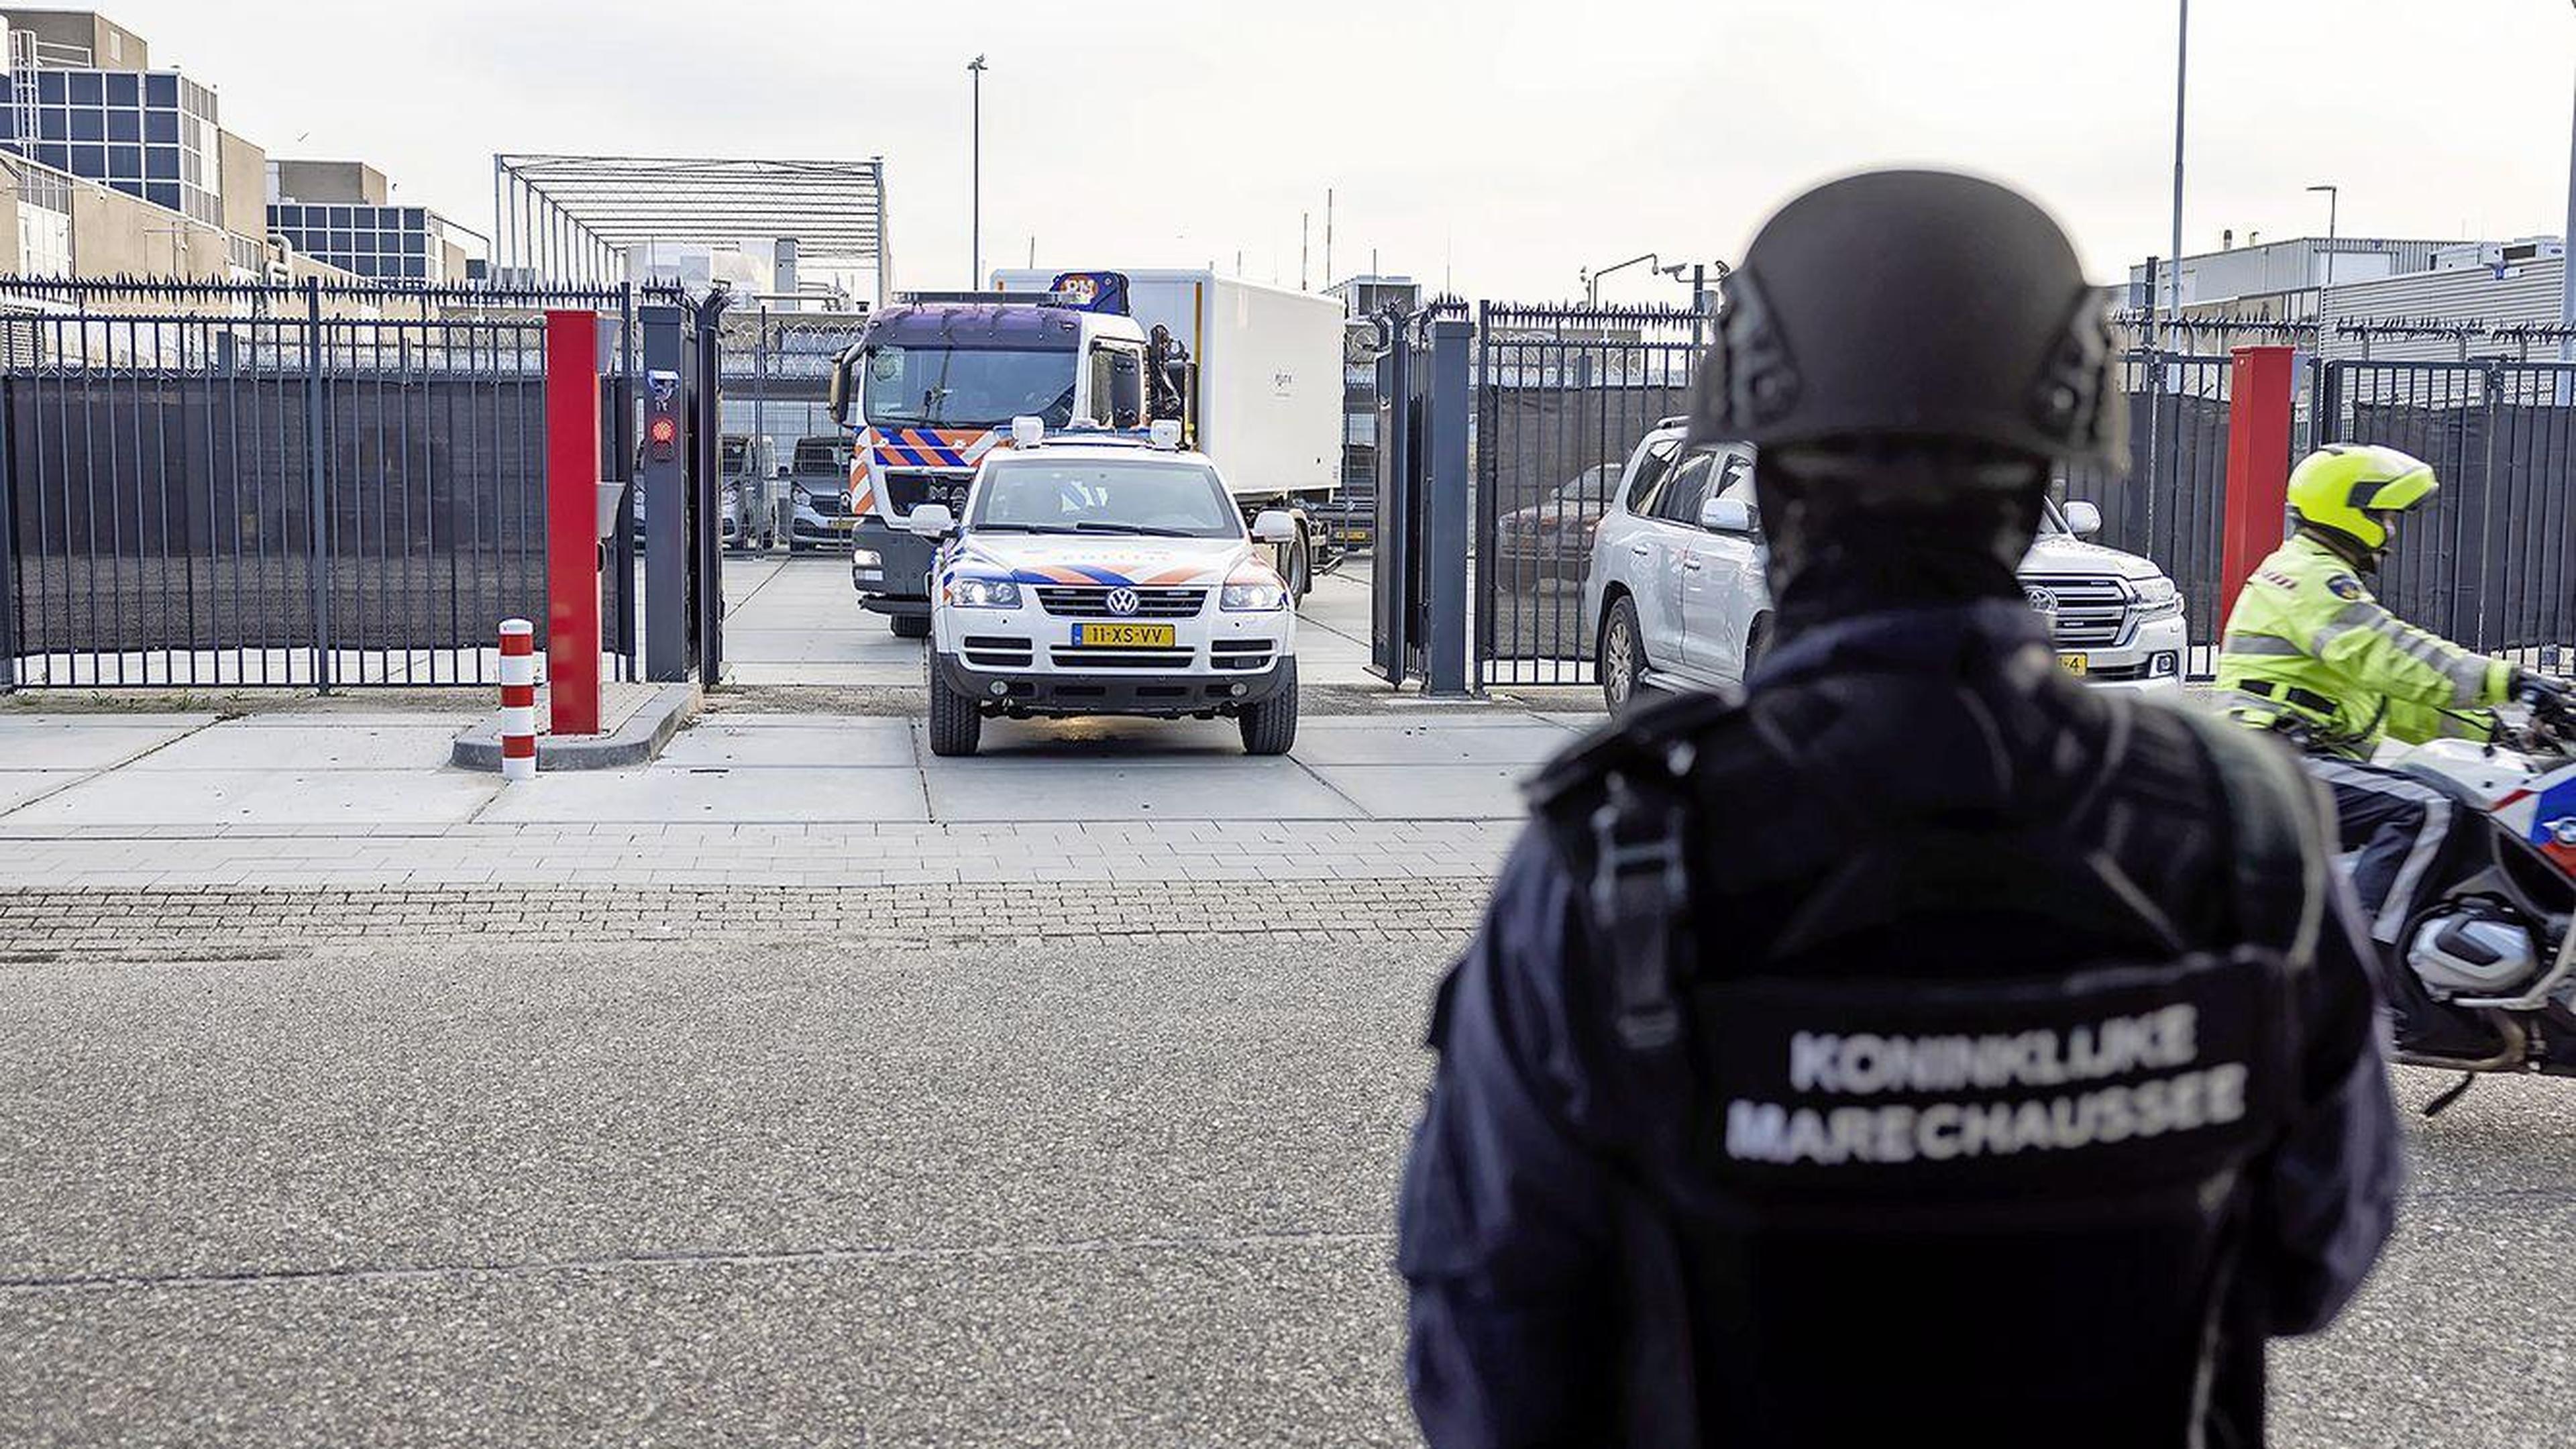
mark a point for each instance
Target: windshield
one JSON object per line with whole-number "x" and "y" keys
{"x": 732, "y": 454}
{"x": 1592, "y": 487}
{"x": 824, "y": 453}
{"x": 967, "y": 387}
{"x": 1161, "y": 497}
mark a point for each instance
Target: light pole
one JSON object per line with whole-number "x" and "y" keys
{"x": 2182, "y": 56}
{"x": 1697, "y": 274}
{"x": 975, "y": 277}
{"x": 1592, "y": 280}
{"x": 2334, "y": 199}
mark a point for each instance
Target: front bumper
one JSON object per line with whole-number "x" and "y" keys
{"x": 1033, "y": 691}
{"x": 807, "y": 525}
{"x": 899, "y": 581}
{"x": 2151, "y": 660}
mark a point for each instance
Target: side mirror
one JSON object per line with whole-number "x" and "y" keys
{"x": 1726, "y": 515}
{"x": 1126, "y": 390}
{"x": 1274, "y": 525}
{"x": 930, "y": 520}
{"x": 837, "y": 390}
{"x": 2083, "y": 519}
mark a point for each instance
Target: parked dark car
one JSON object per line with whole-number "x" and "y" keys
{"x": 1552, "y": 538}
{"x": 818, "y": 488}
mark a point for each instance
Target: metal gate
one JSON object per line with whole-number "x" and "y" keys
{"x": 1563, "y": 394}
{"x": 785, "y": 465}
{"x": 216, "y": 485}
{"x": 1419, "y": 568}
{"x": 2489, "y": 565}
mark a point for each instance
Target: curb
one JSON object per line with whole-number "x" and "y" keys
{"x": 636, "y": 742}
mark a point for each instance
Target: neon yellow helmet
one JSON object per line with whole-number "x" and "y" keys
{"x": 2353, "y": 489}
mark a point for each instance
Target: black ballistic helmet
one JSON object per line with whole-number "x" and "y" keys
{"x": 1918, "y": 305}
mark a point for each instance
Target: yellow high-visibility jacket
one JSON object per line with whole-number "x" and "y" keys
{"x": 2307, "y": 645}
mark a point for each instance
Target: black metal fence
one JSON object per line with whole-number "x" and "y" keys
{"x": 215, "y": 486}
{"x": 1563, "y": 395}
{"x": 2170, "y": 506}
{"x": 2489, "y": 564}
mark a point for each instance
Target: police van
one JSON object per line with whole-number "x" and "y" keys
{"x": 1093, "y": 571}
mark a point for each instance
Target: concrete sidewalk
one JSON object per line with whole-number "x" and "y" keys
{"x": 306, "y": 799}
{"x": 349, "y": 793}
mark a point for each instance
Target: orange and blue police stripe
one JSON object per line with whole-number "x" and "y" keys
{"x": 1086, "y": 575}
{"x": 915, "y": 448}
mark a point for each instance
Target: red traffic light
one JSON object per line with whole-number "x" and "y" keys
{"x": 665, "y": 429}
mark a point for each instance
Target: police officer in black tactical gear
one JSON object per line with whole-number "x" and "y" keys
{"x": 1921, "y": 1048}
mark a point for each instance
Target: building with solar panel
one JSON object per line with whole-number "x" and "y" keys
{"x": 341, "y": 213}
{"x": 121, "y": 166}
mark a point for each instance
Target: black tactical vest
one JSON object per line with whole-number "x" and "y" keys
{"x": 1957, "y": 1085}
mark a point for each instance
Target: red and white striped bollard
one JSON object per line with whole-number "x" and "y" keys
{"x": 518, "y": 700}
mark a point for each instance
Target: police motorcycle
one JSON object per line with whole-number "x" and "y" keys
{"x": 2487, "y": 976}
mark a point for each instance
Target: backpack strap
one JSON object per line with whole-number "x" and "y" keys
{"x": 2274, "y": 817}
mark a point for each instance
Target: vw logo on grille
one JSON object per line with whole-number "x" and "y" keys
{"x": 1122, "y": 601}
{"x": 2040, "y": 599}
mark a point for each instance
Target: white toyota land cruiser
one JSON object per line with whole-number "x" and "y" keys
{"x": 1675, "y": 595}
{"x": 1099, "y": 572}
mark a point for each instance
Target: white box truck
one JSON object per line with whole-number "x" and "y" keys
{"x": 1268, "y": 364}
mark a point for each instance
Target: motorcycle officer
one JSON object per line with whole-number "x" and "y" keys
{"x": 1921, "y": 1046}
{"x": 2310, "y": 654}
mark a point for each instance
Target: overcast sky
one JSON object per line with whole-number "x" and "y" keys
{"x": 1502, "y": 145}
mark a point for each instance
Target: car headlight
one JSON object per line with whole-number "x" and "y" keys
{"x": 803, "y": 495}
{"x": 865, "y": 558}
{"x": 984, "y": 594}
{"x": 1253, "y": 596}
{"x": 2157, "y": 598}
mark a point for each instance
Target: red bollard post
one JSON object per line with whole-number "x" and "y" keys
{"x": 518, "y": 700}
{"x": 572, "y": 520}
{"x": 2262, "y": 386}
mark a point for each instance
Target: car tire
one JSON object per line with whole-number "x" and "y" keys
{"x": 1621, "y": 662}
{"x": 1300, "y": 571}
{"x": 1270, "y": 727}
{"x": 909, "y": 626}
{"x": 956, "y": 726}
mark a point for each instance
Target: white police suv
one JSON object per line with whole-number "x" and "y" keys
{"x": 1099, "y": 572}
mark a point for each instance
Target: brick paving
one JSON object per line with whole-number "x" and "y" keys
{"x": 206, "y": 924}
{"x": 752, "y": 856}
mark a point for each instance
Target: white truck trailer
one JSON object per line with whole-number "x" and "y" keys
{"x": 1268, "y": 362}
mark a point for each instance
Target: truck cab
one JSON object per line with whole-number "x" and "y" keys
{"x": 933, "y": 385}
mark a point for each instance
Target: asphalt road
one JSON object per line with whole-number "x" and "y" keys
{"x": 695, "y": 1194}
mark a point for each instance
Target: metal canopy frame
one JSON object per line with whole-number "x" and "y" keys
{"x": 565, "y": 220}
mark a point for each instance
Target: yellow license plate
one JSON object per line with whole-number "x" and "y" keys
{"x": 844, "y": 522}
{"x": 2076, "y": 663}
{"x": 1124, "y": 636}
